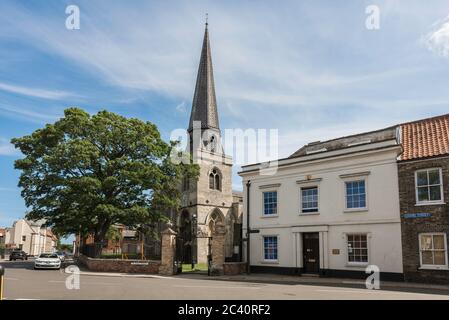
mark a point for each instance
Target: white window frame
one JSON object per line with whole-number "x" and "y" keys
{"x": 300, "y": 199}
{"x": 272, "y": 215}
{"x": 355, "y": 179}
{"x": 432, "y": 266}
{"x": 263, "y": 248}
{"x": 368, "y": 248}
{"x": 429, "y": 202}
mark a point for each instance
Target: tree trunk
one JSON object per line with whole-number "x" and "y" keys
{"x": 99, "y": 239}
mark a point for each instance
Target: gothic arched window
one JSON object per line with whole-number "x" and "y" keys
{"x": 217, "y": 182}
{"x": 214, "y": 180}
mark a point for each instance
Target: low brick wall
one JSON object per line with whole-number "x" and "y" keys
{"x": 119, "y": 265}
{"x": 234, "y": 268}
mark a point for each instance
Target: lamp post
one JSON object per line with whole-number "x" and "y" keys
{"x": 193, "y": 245}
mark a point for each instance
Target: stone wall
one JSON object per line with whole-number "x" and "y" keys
{"x": 218, "y": 249}
{"x": 168, "y": 252}
{"x": 234, "y": 268}
{"x": 122, "y": 266}
{"x": 412, "y": 227}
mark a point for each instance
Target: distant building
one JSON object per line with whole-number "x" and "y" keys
{"x": 2, "y": 241}
{"x": 424, "y": 194}
{"x": 2, "y": 235}
{"x": 32, "y": 237}
{"x": 128, "y": 242}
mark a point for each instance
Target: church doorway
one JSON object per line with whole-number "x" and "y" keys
{"x": 184, "y": 239}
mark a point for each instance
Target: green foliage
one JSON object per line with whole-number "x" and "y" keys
{"x": 197, "y": 267}
{"x": 85, "y": 173}
{"x": 65, "y": 247}
{"x": 113, "y": 234}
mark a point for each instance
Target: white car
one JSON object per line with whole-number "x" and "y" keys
{"x": 47, "y": 261}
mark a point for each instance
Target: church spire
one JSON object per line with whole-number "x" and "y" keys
{"x": 204, "y": 106}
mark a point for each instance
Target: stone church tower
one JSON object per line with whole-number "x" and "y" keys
{"x": 209, "y": 200}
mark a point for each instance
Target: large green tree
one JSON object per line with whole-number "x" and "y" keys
{"x": 85, "y": 173}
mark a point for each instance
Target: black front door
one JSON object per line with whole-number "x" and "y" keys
{"x": 311, "y": 252}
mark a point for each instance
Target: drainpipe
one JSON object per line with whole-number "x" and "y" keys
{"x": 248, "y": 231}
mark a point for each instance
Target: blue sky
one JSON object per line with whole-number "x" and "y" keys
{"x": 308, "y": 68}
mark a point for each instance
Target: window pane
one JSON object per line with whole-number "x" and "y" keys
{"x": 438, "y": 242}
{"x": 435, "y": 193}
{"x": 427, "y": 257}
{"x": 357, "y": 248}
{"x": 426, "y": 242}
{"x": 434, "y": 176}
{"x": 270, "y": 202}
{"x": 355, "y": 194}
{"x": 217, "y": 182}
{"x": 422, "y": 178}
{"x": 211, "y": 181}
{"x": 270, "y": 248}
{"x": 439, "y": 258}
{"x": 309, "y": 197}
{"x": 423, "y": 193}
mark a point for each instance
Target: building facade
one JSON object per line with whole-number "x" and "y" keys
{"x": 31, "y": 237}
{"x": 210, "y": 199}
{"x": 424, "y": 191}
{"x": 2, "y": 242}
{"x": 332, "y": 208}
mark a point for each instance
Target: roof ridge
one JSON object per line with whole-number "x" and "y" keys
{"x": 425, "y": 119}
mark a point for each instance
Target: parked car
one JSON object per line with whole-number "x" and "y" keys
{"x": 47, "y": 261}
{"x": 69, "y": 259}
{"x": 61, "y": 255}
{"x": 18, "y": 255}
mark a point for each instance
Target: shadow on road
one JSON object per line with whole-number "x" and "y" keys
{"x": 27, "y": 264}
{"x": 341, "y": 283}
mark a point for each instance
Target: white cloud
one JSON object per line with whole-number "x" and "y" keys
{"x": 8, "y": 189}
{"x": 35, "y": 92}
{"x": 437, "y": 40}
{"x": 7, "y": 149}
{"x": 28, "y": 115}
{"x": 181, "y": 108}
{"x": 120, "y": 45}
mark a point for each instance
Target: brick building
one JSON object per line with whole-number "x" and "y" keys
{"x": 423, "y": 170}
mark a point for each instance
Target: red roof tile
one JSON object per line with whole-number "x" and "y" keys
{"x": 425, "y": 138}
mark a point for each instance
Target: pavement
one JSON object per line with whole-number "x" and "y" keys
{"x": 290, "y": 280}
{"x": 22, "y": 282}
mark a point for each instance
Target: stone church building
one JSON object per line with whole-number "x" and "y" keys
{"x": 209, "y": 200}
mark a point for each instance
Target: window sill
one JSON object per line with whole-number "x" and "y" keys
{"x": 433, "y": 268}
{"x": 357, "y": 264}
{"x": 269, "y": 216}
{"x": 355, "y": 210}
{"x": 308, "y": 213}
{"x": 270, "y": 261}
{"x": 420, "y": 204}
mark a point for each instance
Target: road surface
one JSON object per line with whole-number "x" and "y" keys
{"x": 22, "y": 282}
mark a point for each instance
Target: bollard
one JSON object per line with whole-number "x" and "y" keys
{"x": 2, "y": 273}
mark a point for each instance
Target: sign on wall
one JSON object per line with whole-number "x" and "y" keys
{"x": 417, "y": 215}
